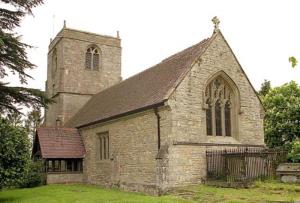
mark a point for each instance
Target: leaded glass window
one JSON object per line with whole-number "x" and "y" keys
{"x": 218, "y": 105}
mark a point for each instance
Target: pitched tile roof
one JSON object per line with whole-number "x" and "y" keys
{"x": 144, "y": 90}
{"x": 60, "y": 142}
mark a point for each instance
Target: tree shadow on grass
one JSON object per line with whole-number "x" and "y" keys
{"x": 8, "y": 199}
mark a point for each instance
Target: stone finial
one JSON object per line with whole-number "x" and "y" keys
{"x": 65, "y": 23}
{"x": 118, "y": 34}
{"x": 216, "y": 22}
{"x": 50, "y": 40}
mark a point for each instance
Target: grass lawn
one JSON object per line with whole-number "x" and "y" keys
{"x": 79, "y": 193}
{"x": 260, "y": 192}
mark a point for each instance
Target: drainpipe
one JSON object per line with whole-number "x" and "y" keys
{"x": 158, "y": 127}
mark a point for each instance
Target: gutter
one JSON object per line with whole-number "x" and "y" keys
{"x": 116, "y": 116}
{"x": 158, "y": 127}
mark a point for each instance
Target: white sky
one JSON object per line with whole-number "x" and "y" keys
{"x": 262, "y": 34}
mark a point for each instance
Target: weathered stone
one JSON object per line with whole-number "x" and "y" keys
{"x": 56, "y": 178}
{"x": 70, "y": 83}
{"x": 289, "y": 172}
{"x": 135, "y": 162}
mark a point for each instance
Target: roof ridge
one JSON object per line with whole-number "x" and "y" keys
{"x": 205, "y": 42}
{"x": 184, "y": 50}
{"x": 162, "y": 61}
{"x": 140, "y": 91}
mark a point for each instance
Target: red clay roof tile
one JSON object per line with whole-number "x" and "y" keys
{"x": 60, "y": 142}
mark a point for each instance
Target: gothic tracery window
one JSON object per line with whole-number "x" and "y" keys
{"x": 92, "y": 58}
{"x": 219, "y": 102}
{"x": 208, "y": 118}
{"x": 218, "y": 118}
{"x": 228, "y": 119}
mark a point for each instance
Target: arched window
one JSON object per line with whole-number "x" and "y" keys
{"x": 218, "y": 117}
{"x": 92, "y": 58}
{"x": 220, "y": 101}
{"x": 228, "y": 118}
{"x": 208, "y": 118}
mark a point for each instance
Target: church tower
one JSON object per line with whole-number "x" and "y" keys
{"x": 80, "y": 64}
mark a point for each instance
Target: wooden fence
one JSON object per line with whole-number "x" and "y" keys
{"x": 243, "y": 164}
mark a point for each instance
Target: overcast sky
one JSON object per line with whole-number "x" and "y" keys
{"x": 262, "y": 34}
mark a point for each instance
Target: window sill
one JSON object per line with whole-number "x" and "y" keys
{"x": 91, "y": 69}
{"x": 216, "y": 144}
{"x": 104, "y": 160}
{"x": 63, "y": 172}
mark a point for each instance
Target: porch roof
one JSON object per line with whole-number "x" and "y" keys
{"x": 57, "y": 142}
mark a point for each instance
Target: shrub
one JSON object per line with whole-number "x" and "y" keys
{"x": 34, "y": 175}
{"x": 14, "y": 154}
{"x": 294, "y": 154}
{"x": 282, "y": 119}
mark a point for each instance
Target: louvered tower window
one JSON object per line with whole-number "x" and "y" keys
{"x": 92, "y": 58}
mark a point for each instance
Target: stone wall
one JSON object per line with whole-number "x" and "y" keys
{"x": 135, "y": 162}
{"x": 57, "y": 178}
{"x": 133, "y": 149}
{"x": 187, "y": 164}
{"x": 71, "y": 81}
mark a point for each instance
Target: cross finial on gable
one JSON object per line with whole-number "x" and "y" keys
{"x": 216, "y": 22}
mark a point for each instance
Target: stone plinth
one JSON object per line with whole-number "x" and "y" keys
{"x": 289, "y": 172}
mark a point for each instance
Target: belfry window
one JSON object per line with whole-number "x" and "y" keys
{"x": 92, "y": 58}
{"x": 219, "y": 103}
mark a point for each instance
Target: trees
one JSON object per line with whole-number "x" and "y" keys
{"x": 293, "y": 61}
{"x": 15, "y": 164}
{"x": 14, "y": 154}
{"x": 282, "y": 119}
{"x": 13, "y": 58}
{"x": 294, "y": 154}
{"x": 33, "y": 121}
{"x": 265, "y": 88}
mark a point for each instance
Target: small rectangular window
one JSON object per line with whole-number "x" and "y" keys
{"x": 103, "y": 146}
{"x": 69, "y": 165}
{"x": 50, "y": 166}
{"x": 63, "y": 167}
{"x": 57, "y": 165}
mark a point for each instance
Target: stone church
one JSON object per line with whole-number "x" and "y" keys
{"x": 150, "y": 132}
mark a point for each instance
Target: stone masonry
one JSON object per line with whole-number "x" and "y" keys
{"x": 187, "y": 162}
{"x": 69, "y": 83}
{"x": 64, "y": 178}
{"x": 136, "y": 163}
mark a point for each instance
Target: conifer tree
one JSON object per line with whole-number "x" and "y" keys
{"x": 13, "y": 58}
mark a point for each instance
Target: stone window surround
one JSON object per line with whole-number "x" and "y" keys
{"x": 103, "y": 146}
{"x": 93, "y": 50}
{"x": 234, "y": 105}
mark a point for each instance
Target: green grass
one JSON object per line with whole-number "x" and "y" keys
{"x": 260, "y": 192}
{"x": 79, "y": 193}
